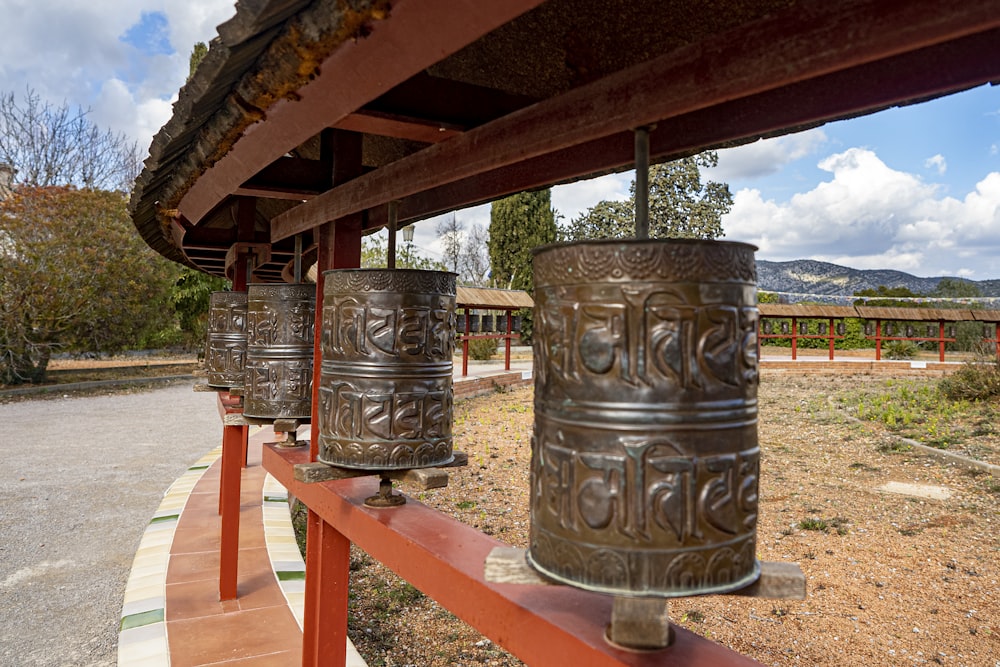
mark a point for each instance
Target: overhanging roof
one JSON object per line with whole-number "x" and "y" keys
{"x": 482, "y": 297}
{"x": 458, "y": 102}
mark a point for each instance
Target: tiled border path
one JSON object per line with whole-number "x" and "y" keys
{"x": 172, "y": 615}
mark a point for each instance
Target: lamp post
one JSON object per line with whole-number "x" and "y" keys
{"x": 408, "y": 239}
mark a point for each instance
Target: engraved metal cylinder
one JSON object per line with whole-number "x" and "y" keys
{"x": 644, "y": 455}
{"x": 281, "y": 319}
{"x": 386, "y": 377}
{"x": 226, "y": 345}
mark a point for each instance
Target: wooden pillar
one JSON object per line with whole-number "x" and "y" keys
{"x": 234, "y": 438}
{"x": 506, "y": 354}
{"x": 229, "y": 549}
{"x": 324, "y": 632}
{"x": 832, "y": 332}
{"x": 795, "y": 338}
{"x": 941, "y": 333}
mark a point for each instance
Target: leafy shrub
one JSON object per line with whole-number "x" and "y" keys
{"x": 482, "y": 349}
{"x": 901, "y": 349}
{"x": 978, "y": 379}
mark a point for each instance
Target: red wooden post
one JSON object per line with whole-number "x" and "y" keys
{"x": 878, "y": 339}
{"x": 465, "y": 346}
{"x": 996, "y": 339}
{"x": 324, "y": 631}
{"x": 233, "y": 442}
{"x": 506, "y": 355}
{"x": 795, "y": 338}
{"x": 832, "y": 332}
{"x": 941, "y": 340}
{"x": 328, "y": 556}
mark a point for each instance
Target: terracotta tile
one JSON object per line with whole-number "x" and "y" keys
{"x": 193, "y": 566}
{"x": 196, "y": 599}
{"x": 196, "y": 534}
{"x": 234, "y": 636}
{"x": 283, "y": 659}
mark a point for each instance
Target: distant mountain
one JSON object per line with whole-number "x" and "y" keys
{"x": 806, "y": 276}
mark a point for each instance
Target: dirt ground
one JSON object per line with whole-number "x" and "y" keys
{"x": 893, "y": 578}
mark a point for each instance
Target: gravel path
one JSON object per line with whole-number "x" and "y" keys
{"x": 81, "y": 478}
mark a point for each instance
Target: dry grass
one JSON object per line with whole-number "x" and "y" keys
{"x": 892, "y": 579}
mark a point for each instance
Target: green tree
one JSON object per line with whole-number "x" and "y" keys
{"x": 518, "y": 224}
{"x": 198, "y": 53}
{"x": 190, "y": 296}
{"x": 374, "y": 255}
{"x": 890, "y": 297}
{"x": 956, "y": 288}
{"x": 680, "y": 205}
{"x": 76, "y": 277}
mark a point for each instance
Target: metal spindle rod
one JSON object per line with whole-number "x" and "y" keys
{"x": 642, "y": 183}
{"x": 393, "y": 215}
{"x": 298, "y": 259}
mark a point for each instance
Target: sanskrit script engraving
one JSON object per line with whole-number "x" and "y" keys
{"x": 649, "y": 336}
{"x": 354, "y": 329}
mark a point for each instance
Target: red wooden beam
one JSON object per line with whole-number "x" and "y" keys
{"x": 416, "y": 34}
{"x": 388, "y": 125}
{"x": 810, "y": 40}
{"x": 444, "y": 558}
{"x": 925, "y": 73}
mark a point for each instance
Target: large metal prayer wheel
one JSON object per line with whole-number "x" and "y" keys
{"x": 386, "y": 378}
{"x": 226, "y": 345}
{"x": 281, "y": 319}
{"x": 644, "y": 457}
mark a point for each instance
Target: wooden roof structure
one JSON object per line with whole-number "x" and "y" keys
{"x": 488, "y": 298}
{"x": 805, "y": 310}
{"x": 309, "y": 112}
{"x": 898, "y": 314}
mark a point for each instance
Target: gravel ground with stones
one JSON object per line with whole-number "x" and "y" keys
{"x": 892, "y": 579}
{"x": 82, "y": 475}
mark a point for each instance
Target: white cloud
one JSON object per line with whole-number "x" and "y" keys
{"x": 936, "y": 162}
{"x": 869, "y": 215}
{"x": 72, "y": 52}
{"x": 573, "y": 199}
{"x": 766, "y": 156}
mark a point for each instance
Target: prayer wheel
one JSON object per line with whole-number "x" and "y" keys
{"x": 386, "y": 378}
{"x": 279, "y": 367}
{"x": 226, "y": 347}
{"x": 645, "y": 458}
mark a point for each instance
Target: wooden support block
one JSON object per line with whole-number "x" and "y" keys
{"x": 286, "y": 425}
{"x": 310, "y": 473}
{"x": 460, "y": 461}
{"x": 235, "y": 420}
{"x": 508, "y": 565}
{"x": 425, "y": 478}
{"x": 640, "y": 623}
{"x": 778, "y": 581}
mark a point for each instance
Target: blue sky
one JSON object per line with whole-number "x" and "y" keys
{"x": 915, "y": 189}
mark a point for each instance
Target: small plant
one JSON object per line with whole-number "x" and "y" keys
{"x": 693, "y": 615}
{"x": 813, "y": 523}
{"x": 465, "y": 504}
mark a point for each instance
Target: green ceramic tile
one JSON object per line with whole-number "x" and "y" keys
{"x": 142, "y": 618}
